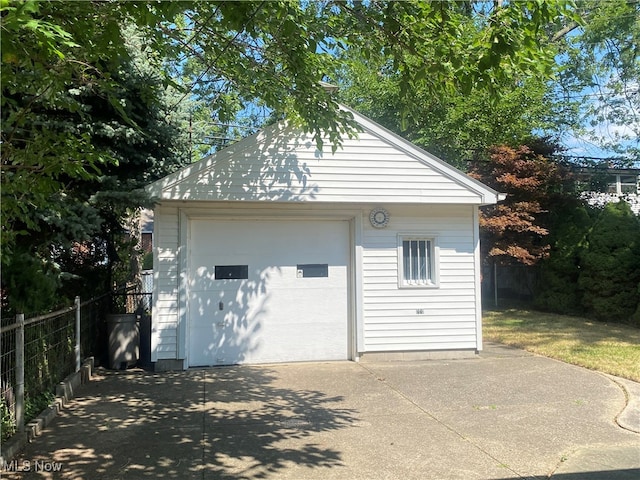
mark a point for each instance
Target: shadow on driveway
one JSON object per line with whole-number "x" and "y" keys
{"x": 217, "y": 423}
{"x": 504, "y": 415}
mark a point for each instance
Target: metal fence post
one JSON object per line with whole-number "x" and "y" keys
{"x": 20, "y": 372}
{"x": 495, "y": 284}
{"x": 77, "y": 301}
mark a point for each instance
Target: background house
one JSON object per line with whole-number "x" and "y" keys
{"x": 598, "y": 186}
{"x": 605, "y": 185}
{"x": 272, "y": 251}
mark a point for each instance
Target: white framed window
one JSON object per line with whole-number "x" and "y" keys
{"x": 417, "y": 261}
{"x": 621, "y": 184}
{"x": 628, "y": 184}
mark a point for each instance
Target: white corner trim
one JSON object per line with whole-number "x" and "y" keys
{"x": 477, "y": 274}
{"x": 182, "y": 330}
{"x": 358, "y": 286}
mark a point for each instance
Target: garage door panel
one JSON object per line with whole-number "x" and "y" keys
{"x": 259, "y": 329}
{"x": 213, "y": 345}
{"x": 223, "y": 336}
{"x": 275, "y": 314}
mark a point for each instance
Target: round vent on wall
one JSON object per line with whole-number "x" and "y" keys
{"x": 379, "y": 217}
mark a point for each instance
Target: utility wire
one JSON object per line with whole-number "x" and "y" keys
{"x": 215, "y": 60}
{"x": 201, "y": 27}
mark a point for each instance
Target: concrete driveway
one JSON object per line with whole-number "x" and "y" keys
{"x": 504, "y": 415}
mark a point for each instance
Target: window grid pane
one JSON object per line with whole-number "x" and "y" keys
{"x": 416, "y": 262}
{"x": 628, "y": 184}
{"x": 415, "y": 266}
{"x": 428, "y": 276}
{"x": 422, "y": 261}
{"x": 406, "y": 257}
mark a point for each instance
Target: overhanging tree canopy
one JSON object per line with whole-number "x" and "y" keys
{"x": 79, "y": 116}
{"x": 599, "y": 77}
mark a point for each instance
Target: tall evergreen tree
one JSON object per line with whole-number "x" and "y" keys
{"x": 78, "y": 151}
{"x": 610, "y": 265}
{"x": 557, "y": 288}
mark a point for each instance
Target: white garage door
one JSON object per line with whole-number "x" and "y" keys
{"x": 267, "y": 291}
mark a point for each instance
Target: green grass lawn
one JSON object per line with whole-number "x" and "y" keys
{"x": 607, "y": 347}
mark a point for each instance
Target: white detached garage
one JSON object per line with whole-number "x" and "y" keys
{"x": 272, "y": 251}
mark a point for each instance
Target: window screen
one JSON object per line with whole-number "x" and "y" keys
{"x": 417, "y": 261}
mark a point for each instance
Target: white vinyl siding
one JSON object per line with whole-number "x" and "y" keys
{"x": 404, "y": 319}
{"x": 366, "y": 169}
{"x": 164, "y": 335}
{"x": 393, "y": 318}
{"x": 278, "y": 174}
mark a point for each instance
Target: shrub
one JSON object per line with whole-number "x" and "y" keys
{"x": 557, "y": 289}
{"x": 8, "y": 424}
{"x": 610, "y": 265}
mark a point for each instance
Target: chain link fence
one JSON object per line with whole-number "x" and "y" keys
{"x": 38, "y": 352}
{"x": 7, "y": 374}
{"x": 508, "y": 284}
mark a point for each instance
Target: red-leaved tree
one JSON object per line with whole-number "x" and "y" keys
{"x": 515, "y": 230}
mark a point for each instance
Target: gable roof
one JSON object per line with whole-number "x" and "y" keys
{"x": 281, "y": 163}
